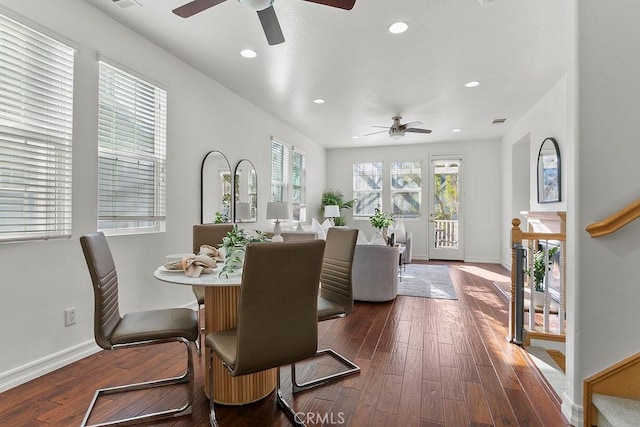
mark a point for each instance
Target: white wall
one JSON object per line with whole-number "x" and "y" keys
{"x": 41, "y": 279}
{"x": 547, "y": 118}
{"x": 481, "y": 190}
{"x": 607, "y": 179}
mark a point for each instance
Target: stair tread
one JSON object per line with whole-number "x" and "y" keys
{"x": 618, "y": 411}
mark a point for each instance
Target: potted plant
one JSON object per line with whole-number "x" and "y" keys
{"x": 539, "y": 273}
{"x": 335, "y": 197}
{"x": 382, "y": 221}
{"x": 234, "y": 245}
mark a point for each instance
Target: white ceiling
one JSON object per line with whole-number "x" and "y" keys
{"x": 515, "y": 48}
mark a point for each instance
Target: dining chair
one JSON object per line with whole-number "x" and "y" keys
{"x": 113, "y": 331}
{"x": 277, "y": 314}
{"x": 212, "y": 235}
{"x": 335, "y": 298}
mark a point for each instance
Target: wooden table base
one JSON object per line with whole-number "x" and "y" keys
{"x": 221, "y": 303}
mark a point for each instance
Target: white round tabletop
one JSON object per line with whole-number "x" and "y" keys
{"x": 207, "y": 279}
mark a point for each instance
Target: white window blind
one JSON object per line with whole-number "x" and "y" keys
{"x": 406, "y": 189}
{"x": 132, "y": 123}
{"x": 367, "y": 188}
{"x": 298, "y": 186}
{"x": 36, "y": 109}
{"x": 279, "y": 172}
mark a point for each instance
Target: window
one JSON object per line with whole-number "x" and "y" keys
{"x": 406, "y": 189}
{"x": 367, "y": 188}
{"x": 288, "y": 178}
{"x": 36, "y": 109}
{"x": 131, "y": 153}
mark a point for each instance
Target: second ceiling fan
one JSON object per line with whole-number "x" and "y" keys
{"x": 265, "y": 10}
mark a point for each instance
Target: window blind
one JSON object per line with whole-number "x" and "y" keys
{"x": 131, "y": 152}
{"x": 36, "y": 111}
{"x": 279, "y": 172}
{"x": 367, "y": 188}
{"x": 298, "y": 186}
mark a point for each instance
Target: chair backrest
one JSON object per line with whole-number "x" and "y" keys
{"x": 296, "y": 236}
{"x": 105, "y": 287}
{"x": 277, "y": 312}
{"x": 209, "y": 234}
{"x": 336, "y": 282}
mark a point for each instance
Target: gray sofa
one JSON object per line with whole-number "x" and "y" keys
{"x": 375, "y": 273}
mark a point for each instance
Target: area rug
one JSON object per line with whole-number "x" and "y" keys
{"x": 427, "y": 281}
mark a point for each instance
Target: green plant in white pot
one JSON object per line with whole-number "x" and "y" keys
{"x": 382, "y": 221}
{"x": 540, "y": 272}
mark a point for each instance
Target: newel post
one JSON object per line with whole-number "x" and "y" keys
{"x": 516, "y": 238}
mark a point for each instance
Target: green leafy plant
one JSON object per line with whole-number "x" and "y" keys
{"x": 335, "y": 197}
{"x": 539, "y": 270}
{"x": 220, "y": 218}
{"x": 381, "y": 219}
{"x": 234, "y": 245}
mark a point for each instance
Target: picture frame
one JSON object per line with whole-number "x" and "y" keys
{"x": 549, "y": 172}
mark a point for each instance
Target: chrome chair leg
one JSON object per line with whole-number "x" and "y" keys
{"x": 352, "y": 369}
{"x": 187, "y": 377}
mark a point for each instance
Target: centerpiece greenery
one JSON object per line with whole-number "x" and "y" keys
{"x": 234, "y": 245}
{"x": 335, "y": 197}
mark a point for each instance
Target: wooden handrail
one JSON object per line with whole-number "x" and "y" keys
{"x": 615, "y": 222}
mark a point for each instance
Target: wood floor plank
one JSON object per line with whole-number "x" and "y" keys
{"x": 425, "y": 362}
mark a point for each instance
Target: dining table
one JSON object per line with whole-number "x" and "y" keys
{"x": 221, "y": 312}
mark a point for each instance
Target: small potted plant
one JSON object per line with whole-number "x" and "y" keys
{"x": 382, "y": 221}
{"x": 234, "y": 245}
{"x": 539, "y": 274}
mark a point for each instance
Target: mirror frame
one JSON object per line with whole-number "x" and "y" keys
{"x": 549, "y": 172}
{"x": 235, "y": 201}
{"x": 204, "y": 160}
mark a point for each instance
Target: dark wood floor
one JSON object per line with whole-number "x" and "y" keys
{"x": 425, "y": 362}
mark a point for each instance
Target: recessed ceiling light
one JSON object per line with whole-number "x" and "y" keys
{"x": 249, "y": 53}
{"x": 456, "y": 130}
{"x": 398, "y": 27}
{"x": 319, "y": 101}
{"x": 472, "y": 83}
{"x": 355, "y": 137}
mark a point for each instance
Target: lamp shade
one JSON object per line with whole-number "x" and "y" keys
{"x": 331, "y": 211}
{"x": 243, "y": 210}
{"x": 277, "y": 210}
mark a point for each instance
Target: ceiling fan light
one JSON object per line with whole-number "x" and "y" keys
{"x": 257, "y": 4}
{"x": 396, "y": 135}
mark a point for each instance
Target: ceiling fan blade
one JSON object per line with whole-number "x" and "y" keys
{"x": 196, "y": 6}
{"x": 373, "y": 133}
{"x": 411, "y": 124}
{"x": 271, "y": 26}
{"x": 418, "y": 130}
{"x": 382, "y": 127}
{"x": 342, "y": 4}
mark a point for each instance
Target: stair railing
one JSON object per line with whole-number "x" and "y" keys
{"x": 616, "y": 221}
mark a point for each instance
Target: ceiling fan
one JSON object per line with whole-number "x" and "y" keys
{"x": 397, "y": 129}
{"x": 266, "y": 13}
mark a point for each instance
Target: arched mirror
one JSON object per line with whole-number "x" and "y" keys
{"x": 246, "y": 192}
{"x": 215, "y": 189}
{"x": 549, "y": 172}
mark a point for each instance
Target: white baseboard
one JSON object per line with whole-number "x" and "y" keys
{"x": 573, "y": 413}
{"x": 50, "y": 363}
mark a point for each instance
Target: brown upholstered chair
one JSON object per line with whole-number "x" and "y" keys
{"x": 212, "y": 235}
{"x": 296, "y": 236}
{"x": 113, "y": 331}
{"x": 336, "y": 296}
{"x": 277, "y": 313}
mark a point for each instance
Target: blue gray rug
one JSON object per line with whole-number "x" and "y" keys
{"x": 427, "y": 281}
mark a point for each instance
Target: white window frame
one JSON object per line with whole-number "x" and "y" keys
{"x": 297, "y": 209}
{"x": 132, "y": 122}
{"x": 359, "y": 193}
{"x": 394, "y": 191}
{"x": 36, "y": 132}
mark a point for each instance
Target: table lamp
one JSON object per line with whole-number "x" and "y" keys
{"x": 243, "y": 211}
{"x": 331, "y": 212}
{"x": 277, "y": 211}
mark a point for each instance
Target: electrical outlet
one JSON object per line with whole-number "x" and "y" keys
{"x": 70, "y": 316}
